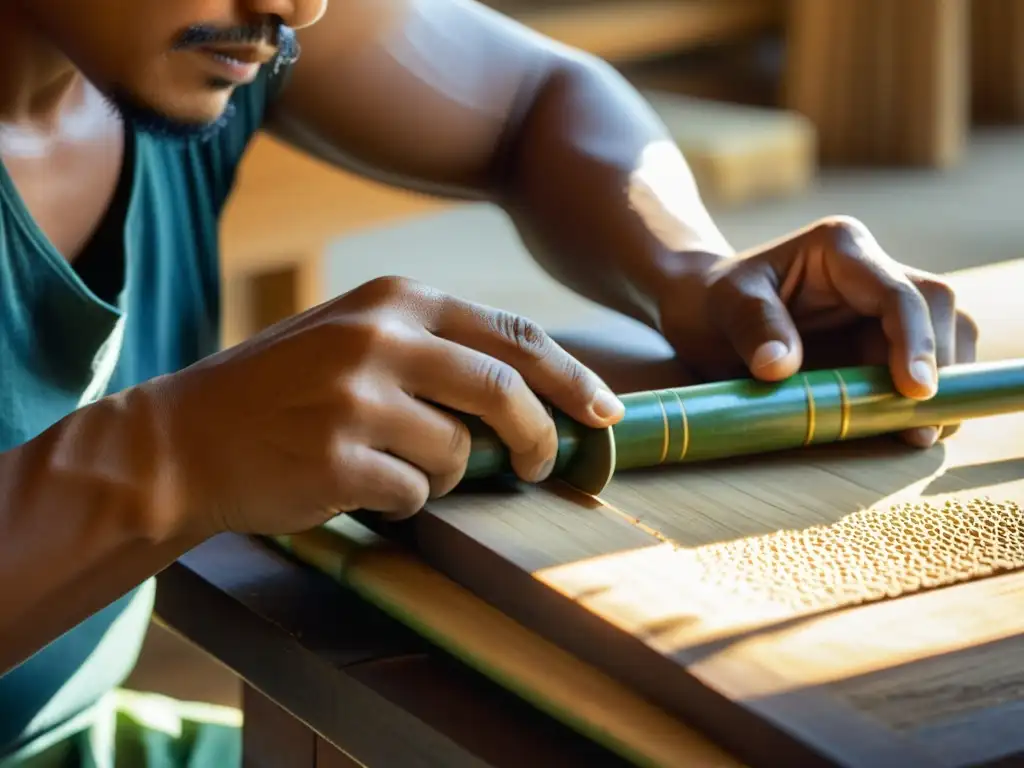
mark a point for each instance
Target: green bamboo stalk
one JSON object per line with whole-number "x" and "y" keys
{"x": 734, "y": 418}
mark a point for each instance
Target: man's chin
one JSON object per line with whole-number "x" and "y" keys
{"x": 200, "y": 124}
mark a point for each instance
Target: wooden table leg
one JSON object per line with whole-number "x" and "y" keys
{"x": 261, "y": 296}
{"x": 883, "y": 82}
{"x": 997, "y": 61}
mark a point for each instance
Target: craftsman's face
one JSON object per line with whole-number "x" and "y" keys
{"x": 170, "y": 66}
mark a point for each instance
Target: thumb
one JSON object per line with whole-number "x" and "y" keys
{"x": 752, "y": 316}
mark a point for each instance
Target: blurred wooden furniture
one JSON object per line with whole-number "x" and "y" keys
{"x": 284, "y": 211}
{"x": 625, "y": 30}
{"x": 739, "y": 153}
{"x": 997, "y": 61}
{"x": 884, "y": 82}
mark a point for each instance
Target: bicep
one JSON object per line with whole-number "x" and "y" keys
{"x": 418, "y": 93}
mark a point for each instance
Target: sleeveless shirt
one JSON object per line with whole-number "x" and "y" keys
{"x": 141, "y": 301}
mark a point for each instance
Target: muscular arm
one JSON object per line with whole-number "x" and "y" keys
{"x": 87, "y": 512}
{"x": 450, "y": 98}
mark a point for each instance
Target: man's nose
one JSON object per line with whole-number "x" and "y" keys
{"x": 294, "y": 13}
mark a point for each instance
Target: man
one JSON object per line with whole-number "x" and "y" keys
{"x": 127, "y": 437}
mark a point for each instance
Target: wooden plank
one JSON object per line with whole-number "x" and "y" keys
{"x": 654, "y": 584}
{"x": 883, "y": 82}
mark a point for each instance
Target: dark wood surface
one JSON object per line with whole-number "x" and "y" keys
{"x": 316, "y": 660}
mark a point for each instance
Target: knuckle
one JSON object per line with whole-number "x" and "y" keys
{"x": 840, "y": 225}
{"x": 501, "y": 381}
{"x": 385, "y": 331}
{"x": 354, "y": 398}
{"x": 370, "y": 338}
{"x": 389, "y": 287}
{"x": 849, "y": 236}
{"x": 937, "y": 293}
{"x": 527, "y": 336}
{"x": 575, "y": 375}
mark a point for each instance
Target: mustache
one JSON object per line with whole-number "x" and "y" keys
{"x": 268, "y": 32}
{"x": 272, "y": 32}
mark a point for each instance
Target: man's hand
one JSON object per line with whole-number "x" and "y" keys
{"x": 826, "y": 296}
{"x": 350, "y": 406}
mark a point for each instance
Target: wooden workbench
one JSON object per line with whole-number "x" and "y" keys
{"x": 926, "y": 679}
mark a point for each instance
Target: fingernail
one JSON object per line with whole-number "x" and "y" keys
{"x": 922, "y": 437}
{"x": 607, "y": 406}
{"x": 768, "y": 353}
{"x": 924, "y": 373}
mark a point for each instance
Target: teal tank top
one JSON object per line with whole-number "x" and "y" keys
{"x": 70, "y": 334}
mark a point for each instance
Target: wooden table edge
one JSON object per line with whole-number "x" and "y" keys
{"x": 339, "y": 701}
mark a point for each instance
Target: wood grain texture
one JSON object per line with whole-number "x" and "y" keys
{"x": 613, "y": 581}
{"x": 883, "y": 82}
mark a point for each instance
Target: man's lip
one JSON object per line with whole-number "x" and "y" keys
{"x": 247, "y": 54}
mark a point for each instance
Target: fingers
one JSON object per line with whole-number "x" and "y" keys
{"x": 912, "y": 353}
{"x": 379, "y": 482}
{"x": 751, "y": 315}
{"x": 434, "y": 442}
{"x": 874, "y": 285}
{"x": 955, "y": 342}
{"x": 473, "y": 382}
{"x": 941, "y": 304}
{"x": 547, "y": 368}
{"x": 487, "y": 363}
{"x": 966, "y": 338}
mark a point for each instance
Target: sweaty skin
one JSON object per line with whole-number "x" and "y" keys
{"x": 445, "y": 97}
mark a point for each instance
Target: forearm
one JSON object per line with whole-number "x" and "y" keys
{"x": 600, "y": 194}
{"x": 88, "y": 510}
